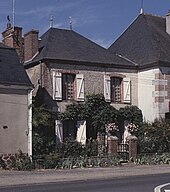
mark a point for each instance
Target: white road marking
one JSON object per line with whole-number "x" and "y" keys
{"x": 158, "y": 188}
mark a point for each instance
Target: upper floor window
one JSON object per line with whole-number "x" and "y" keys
{"x": 67, "y": 86}
{"x": 117, "y": 89}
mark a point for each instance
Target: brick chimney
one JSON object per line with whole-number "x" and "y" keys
{"x": 168, "y": 22}
{"x": 12, "y": 37}
{"x": 31, "y": 44}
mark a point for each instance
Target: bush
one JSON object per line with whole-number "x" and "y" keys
{"x": 154, "y": 137}
{"x": 154, "y": 159}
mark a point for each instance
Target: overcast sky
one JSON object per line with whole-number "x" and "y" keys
{"x": 102, "y": 21}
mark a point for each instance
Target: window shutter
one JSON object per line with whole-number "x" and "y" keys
{"x": 81, "y": 132}
{"x": 59, "y": 131}
{"x": 107, "y": 91}
{"x": 80, "y": 87}
{"x": 57, "y": 85}
{"x": 127, "y": 90}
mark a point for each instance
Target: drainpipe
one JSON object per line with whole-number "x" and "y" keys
{"x": 30, "y": 124}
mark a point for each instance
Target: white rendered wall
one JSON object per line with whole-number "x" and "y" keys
{"x": 146, "y": 101}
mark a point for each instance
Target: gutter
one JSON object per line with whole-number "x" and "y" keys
{"x": 87, "y": 63}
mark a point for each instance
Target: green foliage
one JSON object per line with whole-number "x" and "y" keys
{"x": 43, "y": 130}
{"x": 23, "y": 162}
{"x": 81, "y": 162}
{"x": 73, "y": 112}
{"x": 131, "y": 113}
{"x": 93, "y": 104}
{"x": 154, "y": 137}
{"x": 95, "y": 110}
{"x": 74, "y": 149}
{"x": 154, "y": 159}
{"x": 108, "y": 114}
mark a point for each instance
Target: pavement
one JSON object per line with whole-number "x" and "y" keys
{"x": 12, "y": 178}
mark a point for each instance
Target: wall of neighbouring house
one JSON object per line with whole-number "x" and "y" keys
{"x": 153, "y": 93}
{"x": 145, "y": 94}
{"x": 93, "y": 77}
{"x": 164, "y": 87}
{"x": 34, "y": 73}
{"x": 13, "y": 121}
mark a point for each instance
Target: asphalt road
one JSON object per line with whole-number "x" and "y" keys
{"x": 145, "y": 183}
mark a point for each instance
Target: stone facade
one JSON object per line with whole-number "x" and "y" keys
{"x": 41, "y": 74}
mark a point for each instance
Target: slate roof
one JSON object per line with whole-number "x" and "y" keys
{"x": 67, "y": 45}
{"x": 12, "y": 71}
{"x": 145, "y": 41}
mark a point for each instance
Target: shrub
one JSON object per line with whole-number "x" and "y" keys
{"x": 154, "y": 137}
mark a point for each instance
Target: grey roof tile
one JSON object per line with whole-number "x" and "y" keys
{"x": 145, "y": 41}
{"x": 11, "y": 70}
{"x": 61, "y": 44}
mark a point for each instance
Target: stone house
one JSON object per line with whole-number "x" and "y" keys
{"x": 146, "y": 43}
{"x": 134, "y": 70}
{"x": 15, "y": 104}
{"x": 68, "y": 66}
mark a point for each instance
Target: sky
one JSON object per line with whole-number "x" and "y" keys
{"x": 101, "y": 21}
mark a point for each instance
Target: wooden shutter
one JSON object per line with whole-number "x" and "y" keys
{"x": 80, "y": 87}
{"x": 81, "y": 132}
{"x": 58, "y": 131}
{"x": 107, "y": 91}
{"x": 57, "y": 85}
{"x": 127, "y": 90}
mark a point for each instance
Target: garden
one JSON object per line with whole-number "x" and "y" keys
{"x": 153, "y": 138}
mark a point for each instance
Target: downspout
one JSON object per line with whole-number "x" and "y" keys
{"x": 41, "y": 75}
{"x": 30, "y": 123}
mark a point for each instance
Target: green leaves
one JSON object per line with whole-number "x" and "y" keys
{"x": 100, "y": 113}
{"x": 155, "y": 137}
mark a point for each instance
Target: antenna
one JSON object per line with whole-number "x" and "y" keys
{"x": 70, "y": 23}
{"x": 51, "y": 22}
{"x": 13, "y": 6}
{"x": 141, "y": 10}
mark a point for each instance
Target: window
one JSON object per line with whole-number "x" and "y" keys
{"x": 67, "y": 86}
{"x": 117, "y": 89}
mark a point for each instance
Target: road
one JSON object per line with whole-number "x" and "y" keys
{"x": 147, "y": 183}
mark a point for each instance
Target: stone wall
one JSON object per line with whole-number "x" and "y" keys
{"x": 93, "y": 78}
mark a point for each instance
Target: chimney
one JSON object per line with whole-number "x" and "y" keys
{"x": 31, "y": 44}
{"x": 12, "y": 37}
{"x": 168, "y": 22}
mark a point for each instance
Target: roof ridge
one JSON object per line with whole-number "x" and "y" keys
{"x": 149, "y": 14}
